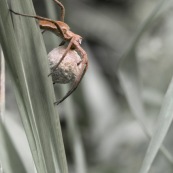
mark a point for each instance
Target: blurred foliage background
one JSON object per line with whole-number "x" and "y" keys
{"x": 98, "y": 117}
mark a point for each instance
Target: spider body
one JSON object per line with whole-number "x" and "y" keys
{"x": 66, "y": 33}
{"x": 49, "y": 26}
{"x": 62, "y": 30}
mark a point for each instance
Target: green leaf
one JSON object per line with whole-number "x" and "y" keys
{"x": 9, "y": 158}
{"x": 164, "y": 122}
{"x": 27, "y": 62}
{"x": 130, "y": 80}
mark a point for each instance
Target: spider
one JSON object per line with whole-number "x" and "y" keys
{"x": 62, "y": 30}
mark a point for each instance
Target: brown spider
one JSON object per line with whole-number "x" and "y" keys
{"x": 62, "y": 30}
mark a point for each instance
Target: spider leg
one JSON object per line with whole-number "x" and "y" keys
{"x": 84, "y": 59}
{"x": 62, "y": 10}
{"x": 40, "y": 18}
{"x": 78, "y": 79}
{"x": 63, "y": 56}
{"x": 74, "y": 85}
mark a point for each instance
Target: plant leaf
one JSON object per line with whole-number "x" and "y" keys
{"x": 27, "y": 61}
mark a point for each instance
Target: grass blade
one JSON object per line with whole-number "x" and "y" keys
{"x": 10, "y": 160}
{"x": 2, "y": 86}
{"x": 27, "y": 61}
{"x": 164, "y": 122}
{"x": 129, "y": 75}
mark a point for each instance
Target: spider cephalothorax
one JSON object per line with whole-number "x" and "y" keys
{"x": 62, "y": 30}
